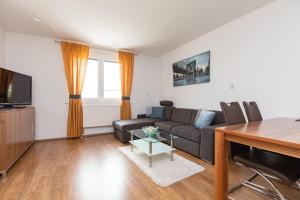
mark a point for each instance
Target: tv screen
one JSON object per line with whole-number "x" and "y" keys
{"x": 15, "y": 88}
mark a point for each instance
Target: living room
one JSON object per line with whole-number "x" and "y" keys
{"x": 137, "y": 84}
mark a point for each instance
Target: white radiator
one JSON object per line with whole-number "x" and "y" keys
{"x": 100, "y": 115}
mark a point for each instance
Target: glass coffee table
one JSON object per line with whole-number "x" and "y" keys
{"x": 152, "y": 146}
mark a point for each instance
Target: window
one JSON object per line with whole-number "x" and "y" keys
{"x": 112, "y": 82}
{"x": 102, "y": 81}
{"x": 90, "y": 87}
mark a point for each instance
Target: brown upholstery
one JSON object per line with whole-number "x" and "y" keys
{"x": 166, "y": 103}
{"x": 219, "y": 117}
{"x": 284, "y": 167}
{"x": 182, "y": 115}
{"x": 233, "y": 114}
{"x": 252, "y": 111}
{"x": 189, "y": 137}
{"x": 168, "y": 113}
{"x": 167, "y": 125}
{"x": 187, "y": 132}
{"x": 193, "y": 117}
{"x": 124, "y": 125}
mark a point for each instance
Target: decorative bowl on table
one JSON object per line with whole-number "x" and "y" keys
{"x": 150, "y": 131}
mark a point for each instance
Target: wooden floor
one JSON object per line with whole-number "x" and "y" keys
{"x": 93, "y": 169}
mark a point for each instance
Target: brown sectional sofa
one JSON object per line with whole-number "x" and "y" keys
{"x": 122, "y": 126}
{"x": 180, "y": 122}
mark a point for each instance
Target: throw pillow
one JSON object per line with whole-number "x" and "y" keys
{"x": 205, "y": 118}
{"x": 157, "y": 113}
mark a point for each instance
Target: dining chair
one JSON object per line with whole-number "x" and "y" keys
{"x": 252, "y": 111}
{"x": 233, "y": 115}
{"x": 253, "y": 114}
{"x": 284, "y": 168}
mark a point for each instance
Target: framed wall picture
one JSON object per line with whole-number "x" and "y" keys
{"x": 193, "y": 70}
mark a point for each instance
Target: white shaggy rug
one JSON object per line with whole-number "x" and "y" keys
{"x": 163, "y": 172}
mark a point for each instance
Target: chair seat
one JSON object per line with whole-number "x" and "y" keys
{"x": 284, "y": 167}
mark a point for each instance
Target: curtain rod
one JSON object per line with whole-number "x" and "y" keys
{"x": 93, "y": 47}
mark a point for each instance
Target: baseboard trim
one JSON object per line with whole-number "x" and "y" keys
{"x": 51, "y": 139}
{"x": 97, "y": 134}
{"x": 65, "y": 138}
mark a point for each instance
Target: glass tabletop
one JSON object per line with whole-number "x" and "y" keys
{"x": 139, "y": 133}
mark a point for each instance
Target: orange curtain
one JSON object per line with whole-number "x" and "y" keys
{"x": 75, "y": 60}
{"x": 126, "y": 61}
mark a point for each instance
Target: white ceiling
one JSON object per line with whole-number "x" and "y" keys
{"x": 149, "y": 27}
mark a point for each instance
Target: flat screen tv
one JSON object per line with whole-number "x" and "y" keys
{"x": 15, "y": 88}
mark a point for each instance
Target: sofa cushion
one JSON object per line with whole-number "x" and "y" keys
{"x": 168, "y": 113}
{"x": 197, "y": 115}
{"x": 187, "y": 132}
{"x": 124, "y": 125}
{"x": 187, "y": 146}
{"x": 182, "y": 115}
{"x": 167, "y": 125}
{"x": 193, "y": 117}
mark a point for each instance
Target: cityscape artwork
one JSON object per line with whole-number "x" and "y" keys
{"x": 193, "y": 70}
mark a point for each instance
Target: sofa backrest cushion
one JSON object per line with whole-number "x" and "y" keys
{"x": 219, "y": 118}
{"x": 168, "y": 112}
{"x": 183, "y": 115}
{"x": 193, "y": 117}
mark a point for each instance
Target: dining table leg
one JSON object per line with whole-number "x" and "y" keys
{"x": 221, "y": 166}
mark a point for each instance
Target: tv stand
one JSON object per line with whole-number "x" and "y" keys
{"x": 12, "y": 106}
{"x": 6, "y": 106}
{"x": 16, "y": 135}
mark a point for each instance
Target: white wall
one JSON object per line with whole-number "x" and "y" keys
{"x": 41, "y": 58}
{"x": 145, "y": 86}
{"x": 2, "y": 47}
{"x": 258, "y": 54}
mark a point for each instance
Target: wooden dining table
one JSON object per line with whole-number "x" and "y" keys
{"x": 280, "y": 135}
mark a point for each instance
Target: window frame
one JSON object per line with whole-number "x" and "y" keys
{"x": 93, "y": 99}
{"x": 101, "y": 58}
{"x": 109, "y": 99}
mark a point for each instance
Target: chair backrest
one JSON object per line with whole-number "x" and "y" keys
{"x": 233, "y": 113}
{"x": 252, "y": 111}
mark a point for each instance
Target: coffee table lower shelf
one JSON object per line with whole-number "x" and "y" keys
{"x": 152, "y": 148}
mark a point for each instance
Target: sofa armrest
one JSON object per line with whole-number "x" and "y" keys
{"x": 141, "y": 116}
{"x": 207, "y": 143}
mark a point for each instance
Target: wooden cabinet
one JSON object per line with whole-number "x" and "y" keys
{"x": 16, "y": 135}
